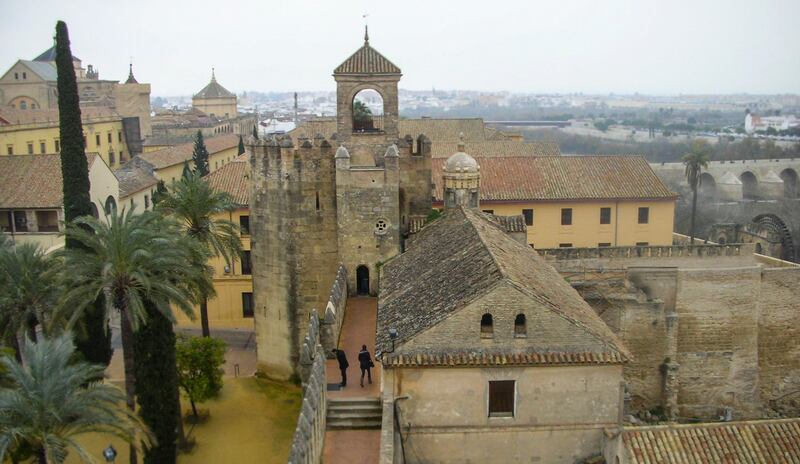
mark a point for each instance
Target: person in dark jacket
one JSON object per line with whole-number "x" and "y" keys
{"x": 343, "y": 365}
{"x": 365, "y": 362}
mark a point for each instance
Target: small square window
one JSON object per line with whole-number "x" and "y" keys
{"x": 30, "y": 148}
{"x": 642, "y": 243}
{"x": 247, "y": 304}
{"x": 644, "y": 215}
{"x": 565, "y": 245}
{"x": 604, "y": 245}
{"x": 605, "y": 215}
{"x": 528, "y": 213}
{"x": 244, "y": 225}
{"x": 566, "y": 216}
{"x": 501, "y": 398}
{"x": 10, "y": 149}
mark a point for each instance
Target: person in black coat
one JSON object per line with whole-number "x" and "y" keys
{"x": 365, "y": 362}
{"x": 343, "y": 365}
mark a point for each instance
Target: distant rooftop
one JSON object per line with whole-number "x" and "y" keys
{"x": 50, "y": 55}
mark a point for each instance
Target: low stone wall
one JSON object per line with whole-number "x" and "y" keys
{"x": 627, "y": 252}
{"x": 309, "y": 436}
{"x": 334, "y": 312}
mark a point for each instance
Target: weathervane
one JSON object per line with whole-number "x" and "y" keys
{"x": 366, "y": 27}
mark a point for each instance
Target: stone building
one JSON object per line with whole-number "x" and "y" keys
{"x": 315, "y": 206}
{"x": 215, "y": 100}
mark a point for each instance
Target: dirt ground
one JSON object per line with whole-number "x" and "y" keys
{"x": 253, "y": 420}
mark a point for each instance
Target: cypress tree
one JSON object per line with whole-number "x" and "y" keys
{"x": 187, "y": 171}
{"x": 255, "y": 132}
{"x": 158, "y": 398}
{"x": 200, "y": 156}
{"x": 241, "y": 145}
{"x": 96, "y": 345}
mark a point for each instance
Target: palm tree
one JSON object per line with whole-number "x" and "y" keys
{"x": 132, "y": 259}
{"x": 51, "y": 401}
{"x": 28, "y": 291}
{"x": 696, "y": 160}
{"x": 198, "y": 209}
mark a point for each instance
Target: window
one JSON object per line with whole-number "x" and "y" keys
{"x": 605, "y": 215}
{"x": 317, "y": 201}
{"x": 24, "y": 75}
{"x": 566, "y": 216}
{"x": 121, "y": 156}
{"x": 16, "y": 76}
{"x": 247, "y": 304}
{"x": 603, "y": 245}
{"x": 501, "y": 398}
{"x": 473, "y": 199}
{"x": 58, "y": 146}
{"x": 108, "y": 137}
{"x": 42, "y": 147}
{"x": 111, "y": 205}
{"x": 565, "y": 245}
{"x": 10, "y": 149}
{"x": 489, "y": 211}
{"x": 47, "y": 221}
{"x": 642, "y": 244}
{"x": 520, "y": 326}
{"x": 30, "y": 148}
{"x": 111, "y": 159}
{"x": 644, "y": 215}
{"x": 97, "y": 139}
{"x": 528, "y": 213}
{"x": 20, "y": 221}
{"x": 487, "y": 326}
{"x": 119, "y": 136}
{"x": 23, "y": 105}
{"x": 244, "y": 225}
{"x": 247, "y": 268}
{"x": 146, "y": 202}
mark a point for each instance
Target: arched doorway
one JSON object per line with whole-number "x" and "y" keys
{"x": 111, "y": 205}
{"x": 707, "y": 187}
{"x": 367, "y": 111}
{"x": 789, "y": 177}
{"x": 362, "y": 280}
{"x": 749, "y": 185}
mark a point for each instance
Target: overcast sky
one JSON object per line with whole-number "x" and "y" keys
{"x": 593, "y": 46}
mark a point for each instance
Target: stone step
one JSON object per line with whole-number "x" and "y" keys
{"x": 355, "y": 400}
{"x": 354, "y": 424}
{"x": 335, "y": 415}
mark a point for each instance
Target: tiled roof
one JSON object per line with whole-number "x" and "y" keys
{"x": 214, "y": 90}
{"x": 563, "y": 178}
{"x": 12, "y": 116}
{"x": 32, "y": 181}
{"x": 50, "y": 55}
{"x": 46, "y": 71}
{"x": 180, "y": 153}
{"x": 133, "y": 179}
{"x": 462, "y": 256}
{"x": 761, "y": 441}
{"x": 499, "y": 359}
{"x": 509, "y": 223}
{"x": 233, "y": 178}
{"x": 367, "y": 60}
{"x": 496, "y": 148}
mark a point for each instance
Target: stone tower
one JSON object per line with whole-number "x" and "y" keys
{"x": 462, "y": 180}
{"x": 315, "y": 205}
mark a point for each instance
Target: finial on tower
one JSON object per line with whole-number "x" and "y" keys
{"x": 461, "y": 145}
{"x": 131, "y": 79}
{"x": 213, "y": 77}
{"x": 366, "y": 34}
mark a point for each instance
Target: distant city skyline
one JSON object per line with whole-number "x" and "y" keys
{"x": 621, "y": 46}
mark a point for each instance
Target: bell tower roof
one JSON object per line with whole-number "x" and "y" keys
{"x": 366, "y": 60}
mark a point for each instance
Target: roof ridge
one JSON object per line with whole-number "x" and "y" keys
{"x": 644, "y": 428}
{"x": 502, "y": 269}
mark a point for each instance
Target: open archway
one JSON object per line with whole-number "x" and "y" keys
{"x": 749, "y": 185}
{"x": 789, "y": 177}
{"x": 362, "y": 280}
{"x": 367, "y": 111}
{"x": 708, "y": 187}
{"x": 775, "y": 224}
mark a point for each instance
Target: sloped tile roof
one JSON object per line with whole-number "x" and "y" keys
{"x": 563, "y": 178}
{"x": 50, "y": 55}
{"x": 499, "y": 359}
{"x": 132, "y": 179}
{"x": 32, "y": 181}
{"x": 760, "y": 441}
{"x": 233, "y": 178}
{"x": 367, "y": 60}
{"x": 496, "y": 148}
{"x": 214, "y": 90}
{"x": 179, "y": 153}
{"x": 463, "y": 256}
{"x": 46, "y": 71}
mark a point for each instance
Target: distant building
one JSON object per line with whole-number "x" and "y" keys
{"x": 31, "y": 85}
{"x": 32, "y": 199}
{"x": 215, "y": 100}
{"x": 754, "y": 123}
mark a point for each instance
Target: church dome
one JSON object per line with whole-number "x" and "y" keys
{"x": 461, "y": 162}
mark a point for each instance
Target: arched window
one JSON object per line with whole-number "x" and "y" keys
{"x": 520, "y": 326}
{"x": 111, "y": 205}
{"x": 95, "y": 213}
{"x": 759, "y": 248}
{"x": 367, "y": 111}
{"x": 487, "y": 326}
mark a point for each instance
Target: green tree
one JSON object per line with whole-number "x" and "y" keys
{"x": 200, "y": 361}
{"x": 696, "y": 160}
{"x": 241, "y": 145}
{"x": 161, "y": 190}
{"x": 29, "y": 291}
{"x": 96, "y": 344}
{"x": 158, "y": 397}
{"x": 200, "y": 212}
{"x": 52, "y": 401}
{"x": 133, "y": 259}
{"x": 200, "y": 155}
{"x": 255, "y": 132}
{"x": 187, "y": 171}
{"x": 362, "y": 115}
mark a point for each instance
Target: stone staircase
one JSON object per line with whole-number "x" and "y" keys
{"x": 354, "y": 413}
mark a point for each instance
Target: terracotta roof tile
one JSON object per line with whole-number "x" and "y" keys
{"x": 367, "y": 60}
{"x": 563, "y": 178}
{"x": 233, "y": 178}
{"x": 496, "y": 148}
{"x": 438, "y": 130}
{"x": 32, "y": 181}
{"x": 762, "y": 441}
{"x": 455, "y": 358}
{"x": 180, "y": 153}
{"x": 133, "y": 179}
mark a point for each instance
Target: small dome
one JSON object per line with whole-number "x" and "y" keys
{"x": 461, "y": 162}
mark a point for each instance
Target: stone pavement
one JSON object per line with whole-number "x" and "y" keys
{"x": 355, "y": 446}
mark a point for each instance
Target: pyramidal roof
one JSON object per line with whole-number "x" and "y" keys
{"x": 367, "y": 60}
{"x": 50, "y": 55}
{"x": 214, "y": 90}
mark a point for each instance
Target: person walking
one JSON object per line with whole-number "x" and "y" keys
{"x": 343, "y": 365}
{"x": 365, "y": 362}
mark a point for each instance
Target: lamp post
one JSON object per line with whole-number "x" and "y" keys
{"x": 110, "y": 453}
